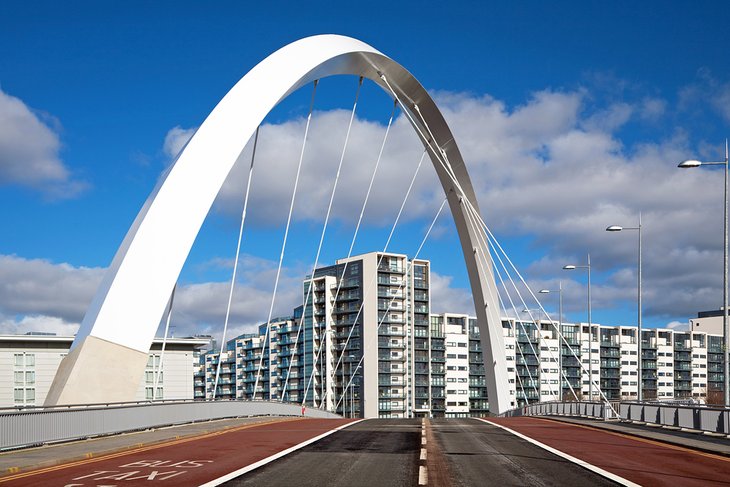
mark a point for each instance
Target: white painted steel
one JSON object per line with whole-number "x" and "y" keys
{"x": 131, "y": 299}
{"x": 40, "y": 426}
{"x": 700, "y": 418}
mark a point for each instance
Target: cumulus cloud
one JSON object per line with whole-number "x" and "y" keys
{"x": 550, "y": 171}
{"x": 448, "y": 299}
{"x": 175, "y": 140}
{"x": 30, "y": 151}
{"x": 554, "y": 170}
{"x": 37, "y": 287}
{"x": 38, "y": 295}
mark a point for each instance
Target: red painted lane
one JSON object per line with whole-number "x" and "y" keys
{"x": 181, "y": 462}
{"x": 643, "y": 461}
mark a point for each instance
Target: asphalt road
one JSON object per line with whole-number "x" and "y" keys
{"x": 379, "y": 453}
{"x": 479, "y": 454}
{"x": 386, "y": 453}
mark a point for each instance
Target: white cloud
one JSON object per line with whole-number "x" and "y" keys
{"x": 38, "y": 323}
{"x": 677, "y": 325}
{"x": 549, "y": 169}
{"x": 37, "y": 287}
{"x": 30, "y": 151}
{"x": 38, "y": 295}
{"x": 175, "y": 140}
{"x": 448, "y": 299}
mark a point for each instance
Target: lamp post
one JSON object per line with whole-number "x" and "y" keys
{"x": 694, "y": 163}
{"x": 590, "y": 324}
{"x": 617, "y": 228}
{"x": 560, "y": 333}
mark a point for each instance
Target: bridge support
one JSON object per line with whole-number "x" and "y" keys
{"x": 106, "y": 363}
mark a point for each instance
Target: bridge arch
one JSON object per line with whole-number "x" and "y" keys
{"x": 110, "y": 351}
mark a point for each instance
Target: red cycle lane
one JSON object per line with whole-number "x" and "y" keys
{"x": 643, "y": 461}
{"x": 188, "y": 461}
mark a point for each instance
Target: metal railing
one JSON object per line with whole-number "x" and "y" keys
{"x": 587, "y": 409}
{"x": 685, "y": 416}
{"x": 37, "y": 426}
{"x": 701, "y": 418}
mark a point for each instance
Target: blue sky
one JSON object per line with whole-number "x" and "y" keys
{"x": 571, "y": 115}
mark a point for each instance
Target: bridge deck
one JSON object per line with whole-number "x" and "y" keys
{"x": 640, "y": 460}
{"x": 185, "y": 461}
{"x": 442, "y": 453}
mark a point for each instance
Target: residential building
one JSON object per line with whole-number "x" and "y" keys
{"x": 29, "y": 362}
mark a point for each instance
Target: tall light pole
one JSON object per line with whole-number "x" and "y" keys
{"x": 617, "y": 228}
{"x": 694, "y": 163}
{"x": 590, "y": 324}
{"x": 560, "y": 333}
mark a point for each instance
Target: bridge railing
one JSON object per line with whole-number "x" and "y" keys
{"x": 35, "y": 426}
{"x": 589, "y": 409}
{"x": 695, "y": 417}
{"x": 687, "y": 416}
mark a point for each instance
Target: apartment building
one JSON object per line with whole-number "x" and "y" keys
{"x": 350, "y": 348}
{"x": 28, "y": 364}
{"x": 364, "y": 344}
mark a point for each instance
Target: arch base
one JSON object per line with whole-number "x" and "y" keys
{"x": 86, "y": 383}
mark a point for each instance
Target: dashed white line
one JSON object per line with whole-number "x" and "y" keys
{"x": 422, "y": 475}
{"x": 423, "y": 454}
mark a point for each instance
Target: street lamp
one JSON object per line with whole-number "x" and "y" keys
{"x": 694, "y": 163}
{"x": 590, "y": 324}
{"x": 560, "y": 333}
{"x": 617, "y": 228}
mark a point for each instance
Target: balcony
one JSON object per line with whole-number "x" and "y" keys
{"x": 395, "y": 269}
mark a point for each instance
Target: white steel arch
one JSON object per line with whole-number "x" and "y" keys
{"x": 109, "y": 353}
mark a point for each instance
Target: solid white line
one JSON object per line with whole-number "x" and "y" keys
{"x": 260, "y": 463}
{"x": 422, "y": 475}
{"x": 577, "y": 461}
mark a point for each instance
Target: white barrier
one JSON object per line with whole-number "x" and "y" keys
{"x": 37, "y": 426}
{"x": 695, "y": 417}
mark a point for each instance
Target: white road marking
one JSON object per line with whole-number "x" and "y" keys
{"x": 577, "y": 461}
{"x": 275, "y": 456}
{"x": 423, "y": 440}
{"x": 423, "y": 454}
{"x": 422, "y": 475}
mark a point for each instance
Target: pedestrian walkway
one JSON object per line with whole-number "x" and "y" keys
{"x": 719, "y": 445}
{"x": 44, "y": 456}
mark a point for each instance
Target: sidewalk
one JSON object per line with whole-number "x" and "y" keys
{"x": 45, "y": 456}
{"x": 698, "y": 441}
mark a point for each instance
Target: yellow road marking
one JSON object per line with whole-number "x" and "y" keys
{"x": 643, "y": 440}
{"x": 138, "y": 450}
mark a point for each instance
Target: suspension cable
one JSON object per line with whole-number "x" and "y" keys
{"x": 561, "y": 375}
{"x": 380, "y": 259}
{"x": 517, "y": 349}
{"x": 164, "y": 342}
{"x": 354, "y": 237}
{"x": 482, "y": 241}
{"x": 400, "y": 287}
{"x": 559, "y": 332}
{"x": 321, "y": 240}
{"x": 283, "y": 246}
{"x": 440, "y": 154}
{"x": 235, "y": 262}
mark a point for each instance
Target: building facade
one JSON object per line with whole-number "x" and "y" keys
{"x": 353, "y": 347}
{"x": 29, "y": 362}
{"x": 364, "y": 344}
